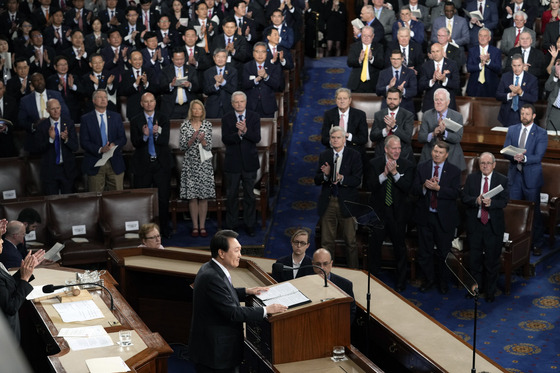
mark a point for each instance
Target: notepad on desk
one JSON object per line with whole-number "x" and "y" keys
{"x": 285, "y": 294}
{"x": 112, "y": 364}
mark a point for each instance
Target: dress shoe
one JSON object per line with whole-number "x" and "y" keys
{"x": 250, "y": 231}
{"x": 195, "y": 232}
{"x": 537, "y": 251}
{"x": 203, "y": 232}
{"x": 426, "y": 286}
{"x": 443, "y": 288}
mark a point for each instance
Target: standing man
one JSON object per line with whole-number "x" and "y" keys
{"x": 433, "y": 129}
{"x": 533, "y": 58}
{"x": 390, "y": 182}
{"x": 220, "y": 82}
{"x": 56, "y": 139}
{"x": 298, "y": 258}
{"x": 516, "y": 89}
{"x": 552, "y": 88}
{"x": 216, "y": 335}
{"x": 179, "y": 83}
{"x": 135, "y": 82}
{"x": 456, "y": 25}
{"x": 485, "y": 66}
{"x": 366, "y": 60}
{"x": 8, "y": 110}
{"x": 412, "y": 54}
{"x": 437, "y": 185}
{"x": 367, "y": 16}
{"x": 485, "y": 223}
{"x": 100, "y": 132}
{"x": 238, "y": 49}
{"x": 438, "y": 72}
{"x": 339, "y": 174}
{"x": 525, "y": 175}
{"x": 393, "y": 120}
{"x": 400, "y": 77}
{"x": 241, "y": 132}
{"x": 152, "y": 161}
{"x": 489, "y": 11}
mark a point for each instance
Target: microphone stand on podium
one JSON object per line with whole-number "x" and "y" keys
{"x": 471, "y": 285}
{"x": 365, "y": 216}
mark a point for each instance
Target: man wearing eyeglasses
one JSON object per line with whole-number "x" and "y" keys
{"x": 485, "y": 223}
{"x": 322, "y": 258}
{"x": 300, "y": 243}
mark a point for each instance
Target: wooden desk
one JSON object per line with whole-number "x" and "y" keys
{"x": 148, "y": 354}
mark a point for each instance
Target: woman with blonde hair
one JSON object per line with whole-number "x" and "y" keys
{"x": 197, "y": 175}
{"x": 150, "y": 236}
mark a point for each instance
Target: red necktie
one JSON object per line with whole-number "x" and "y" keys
{"x": 517, "y": 37}
{"x": 433, "y": 198}
{"x": 63, "y": 84}
{"x": 80, "y": 21}
{"x": 146, "y": 21}
{"x": 260, "y": 67}
{"x": 480, "y": 9}
{"x": 484, "y": 209}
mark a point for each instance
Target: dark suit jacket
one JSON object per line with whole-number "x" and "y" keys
{"x": 289, "y": 274}
{"x": 13, "y": 291}
{"x": 10, "y": 255}
{"x": 117, "y": 68}
{"x": 77, "y": 66}
{"x": 426, "y": 75}
{"x": 133, "y": 95}
{"x": 455, "y": 54}
{"x": 410, "y": 88}
{"x": 537, "y": 141}
{"x": 72, "y": 98}
{"x": 241, "y": 153}
{"x": 350, "y": 168}
{"x": 136, "y": 42}
{"x": 357, "y": 126}
{"x": 169, "y": 97}
{"x": 535, "y": 59}
{"x": 216, "y": 335}
{"x": 141, "y": 156}
{"x": 13, "y": 87}
{"x": 354, "y": 63}
{"x": 173, "y": 39}
{"x": 9, "y": 111}
{"x": 551, "y": 33}
{"x": 62, "y": 44}
{"x": 531, "y": 16}
{"x": 87, "y": 89}
{"x": 34, "y": 67}
{"x": 492, "y": 72}
{"x": 399, "y": 191}
{"x": 90, "y": 140}
{"x": 346, "y": 286}
{"x": 265, "y": 90}
{"x": 70, "y": 22}
{"x": 158, "y": 66}
{"x": 6, "y": 22}
{"x": 105, "y": 19}
{"x": 449, "y": 182}
{"x": 219, "y": 100}
{"x": 415, "y": 26}
{"x": 286, "y": 35}
{"x": 491, "y": 19}
{"x": 242, "y": 49}
{"x": 44, "y": 146}
{"x": 91, "y": 46}
{"x": 38, "y": 17}
{"x": 405, "y": 127}
{"x": 415, "y": 55}
{"x": 470, "y": 193}
{"x": 530, "y": 89}
{"x": 252, "y": 25}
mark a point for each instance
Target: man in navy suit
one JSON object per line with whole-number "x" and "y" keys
{"x": 101, "y": 131}
{"x": 390, "y": 181}
{"x": 39, "y": 55}
{"x": 112, "y": 17}
{"x": 11, "y": 20}
{"x": 167, "y": 37}
{"x": 490, "y": 18}
{"x": 278, "y": 55}
{"x": 57, "y": 140}
{"x": 77, "y": 54}
{"x": 195, "y": 56}
{"x": 207, "y": 29}
{"x": 339, "y": 174}
{"x": 457, "y": 24}
{"x": 393, "y": 120}
{"x": 437, "y": 185}
{"x": 285, "y": 32}
{"x": 533, "y": 58}
{"x": 485, "y": 66}
{"x": 485, "y": 223}
{"x": 135, "y": 82}
{"x": 241, "y": 132}
{"x": 400, "y": 77}
{"x": 147, "y": 16}
{"x": 298, "y": 258}
{"x": 261, "y": 81}
{"x": 245, "y": 26}
{"x": 78, "y": 18}
{"x": 154, "y": 57}
{"x": 97, "y": 78}
{"x": 323, "y": 258}
{"x": 115, "y": 55}
{"x": 439, "y": 72}
{"x": 219, "y": 83}
{"x": 516, "y": 89}
{"x": 416, "y": 28}
{"x": 68, "y": 85}
{"x": 365, "y": 79}
{"x": 176, "y": 97}
{"x": 55, "y": 35}
{"x": 367, "y": 16}
{"x": 525, "y": 170}
{"x": 413, "y": 57}
{"x": 216, "y": 340}
{"x": 133, "y": 30}
{"x": 237, "y": 46}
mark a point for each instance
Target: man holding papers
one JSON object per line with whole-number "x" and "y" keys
{"x": 525, "y": 170}
{"x": 485, "y": 222}
{"x": 216, "y": 336}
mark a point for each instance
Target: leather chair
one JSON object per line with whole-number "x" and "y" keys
{"x": 485, "y": 113}
{"x": 367, "y": 102}
{"x": 464, "y": 106}
{"x": 11, "y": 210}
{"x": 13, "y": 177}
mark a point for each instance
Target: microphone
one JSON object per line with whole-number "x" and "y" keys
{"x": 50, "y": 288}
{"x": 279, "y": 267}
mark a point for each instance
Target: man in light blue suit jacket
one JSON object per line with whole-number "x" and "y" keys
{"x": 490, "y": 18}
{"x": 460, "y": 30}
{"x": 490, "y": 61}
{"x": 525, "y": 170}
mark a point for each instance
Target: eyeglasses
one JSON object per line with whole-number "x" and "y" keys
{"x": 153, "y": 237}
{"x": 486, "y": 163}
{"x": 299, "y": 243}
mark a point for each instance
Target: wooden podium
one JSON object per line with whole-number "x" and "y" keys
{"x": 304, "y": 332}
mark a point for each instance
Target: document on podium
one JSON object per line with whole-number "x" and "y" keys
{"x": 285, "y": 294}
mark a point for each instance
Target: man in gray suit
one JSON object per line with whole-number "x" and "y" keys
{"x": 553, "y": 107}
{"x": 433, "y": 129}
{"x": 458, "y": 25}
{"x": 510, "y": 37}
{"x": 386, "y": 17}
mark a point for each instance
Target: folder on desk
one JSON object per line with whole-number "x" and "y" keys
{"x": 285, "y": 294}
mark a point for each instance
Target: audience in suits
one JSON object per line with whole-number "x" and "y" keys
{"x": 219, "y": 83}
{"x": 511, "y": 35}
{"x": 450, "y": 51}
{"x": 533, "y": 59}
{"x": 457, "y": 25}
{"x": 438, "y": 72}
{"x": 178, "y": 86}
{"x": 485, "y": 66}
{"x": 416, "y": 28}
{"x": 298, "y": 258}
{"x": 365, "y": 58}
{"x": 413, "y": 57}
{"x": 400, "y": 77}
{"x": 490, "y": 18}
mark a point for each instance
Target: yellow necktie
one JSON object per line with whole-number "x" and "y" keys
{"x": 450, "y": 26}
{"x": 43, "y": 106}
{"x": 180, "y": 90}
{"x": 363, "y": 77}
{"x": 481, "y": 78}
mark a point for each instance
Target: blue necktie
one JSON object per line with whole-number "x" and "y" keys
{"x": 397, "y": 75}
{"x": 103, "y": 129}
{"x": 57, "y": 142}
{"x": 515, "y": 104}
{"x": 241, "y": 118}
{"x": 151, "y": 146}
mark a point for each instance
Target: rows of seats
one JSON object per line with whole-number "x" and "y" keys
{"x": 88, "y": 224}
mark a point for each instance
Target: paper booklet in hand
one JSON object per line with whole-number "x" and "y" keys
{"x": 512, "y": 150}
{"x": 452, "y": 125}
{"x": 493, "y": 192}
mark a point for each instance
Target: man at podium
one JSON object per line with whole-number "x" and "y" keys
{"x": 322, "y": 258}
{"x": 298, "y": 258}
{"x": 216, "y": 336}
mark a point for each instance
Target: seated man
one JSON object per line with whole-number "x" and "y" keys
{"x": 300, "y": 243}
{"x": 10, "y": 256}
{"x": 322, "y": 258}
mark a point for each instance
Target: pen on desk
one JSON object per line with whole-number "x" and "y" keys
{"x": 326, "y": 299}
{"x": 342, "y": 368}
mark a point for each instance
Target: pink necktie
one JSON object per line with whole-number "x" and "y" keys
{"x": 484, "y": 209}
{"x": 341, "y": 121}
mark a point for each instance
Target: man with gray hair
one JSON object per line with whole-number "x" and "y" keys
{"x": 339, "y": 173}
{"x": 366, "y": 60}
{"x": 367, "y": 15}
{"x": 510, "y": 37}
{"x": 241, "y": 131}
{"x": 449, "y": 50}
{"x": 533, "y": 58}
{"x": 484, "y": 65}
{"x": 485, "y": 223}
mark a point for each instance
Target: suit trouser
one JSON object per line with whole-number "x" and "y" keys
{"x": 485, "y": 250}
{"x": 105, "y": 179}
{"x": 519, "y": 190}
{"x": 249, "y": 200}
{"x": 160, "y": 178}
{"x": 329, "y": 223}
{"x": 56, "y": 182}
{"x": 429, "y": 235}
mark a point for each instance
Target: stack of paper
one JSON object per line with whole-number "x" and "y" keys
{"x": 87, "y": 337}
